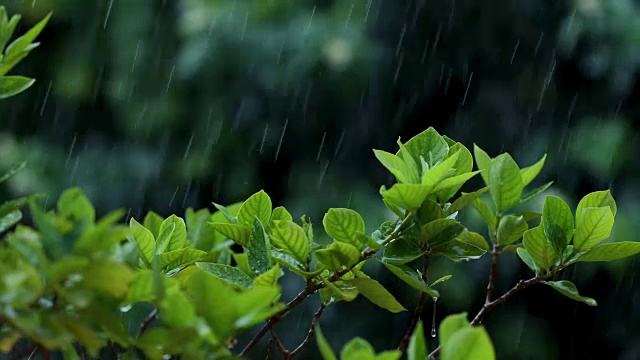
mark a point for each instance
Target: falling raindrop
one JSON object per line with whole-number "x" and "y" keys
{"x": 324, "y": 136}
{"x": 46, "y": 97}
{"x": 106, "y": 17}
{"x": 433, "y": 319}
{"x": 284, "y": 129}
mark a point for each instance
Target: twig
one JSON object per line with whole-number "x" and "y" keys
{"x": 283, "y": 350}
{"x": 492, "y": 275}
{"x": 477, "y": 320}
{"x": 269, "y": 349}
{"x": 312, "y": 287}
{"x": 312, "y": 331}
{"x": 418, "y": 312}
{"x": 147, "y": 322}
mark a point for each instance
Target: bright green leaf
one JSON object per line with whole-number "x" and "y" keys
{"x": 485, "y": 212}
{"x": 611, "y": 251}
{"x": 428, "y": 144}
{"x": 530, "y": 195}
{"x": 539, "y": 248}
{"x": 235, "y": 232}
{"x": 510, "y": 229}
{"x": 524, "y": 255}
{"x": 259, "y": 249}
{"x": 483, "y": 162}
{"x": 269, "y": 278}
{"x": 440, "y": 232}
{"x": 280, "y": 213}
{"x": 393, "y": 163}
{"x": 178, "y": 238}
{"x": 75, "y": 205}
{"x": 357, "y": 349}
{"x": 290, "y": 237}
{"x": 464, "y": 200}
{"x": 411, "y": 278}
{"x": 323, "y": 345}
{"x": 417, "y": 349}
{"x": 597, "y": 199}
{"x": 506, "y": 182}
{"x": 145, "y": 241}
{"x": 227, "y": 273}
{"x": 593, "y": 225}
{"x": 530, "y": 172}
{"x": 344, "y": 225}
{"x": 467, "y": 344}
{"x": 153, "y": 221}
{"x": 337, "y": 255}
{"x": 14, "y": 85}
{"x": 9, "y": 220}
{"x": 258, "y": 204}
{"x": 406, "y": 196}
{"x": 557, "y": 222}
{"x": 568, "y": 289}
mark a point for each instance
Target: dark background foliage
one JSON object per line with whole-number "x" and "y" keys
{"x": 166, "y": 104}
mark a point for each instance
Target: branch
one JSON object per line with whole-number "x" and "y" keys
{"x": 283, "y": 350}
{"x": 418, "y": 312}
{"x": 492, "y": 274}
{"x": 312, "y": 287}
{"x": 312, "y": 331}
{"x": 153, "y": 315}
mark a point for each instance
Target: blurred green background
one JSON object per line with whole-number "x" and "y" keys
{"x": 169, "y": 104}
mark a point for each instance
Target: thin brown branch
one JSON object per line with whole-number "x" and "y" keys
{"x": 492, "y": 274}
{"x": 419, "y": 306}
{"x": 312, "y": 331}
{"x": 276, "y": 340}
{"x": 312, "y": 287}
{"x": 153, "y": 315}
{"x": 269, "y": 349}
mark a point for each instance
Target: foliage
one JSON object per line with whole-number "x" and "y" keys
{"x": 68, "y": 279}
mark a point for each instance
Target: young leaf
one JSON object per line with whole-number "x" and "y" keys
{"x": 201, "y": 236}
{"x": 214, "y": 302}
{"x": 557, "y": 222}
{"x": 406, "y": 196}
{"x": 180, "y": 258}
{"x": 429, "y": 211}
{"x": 280, "y": 213}
{"x": 510, "y": 229}
{"x": 611, "y": 251}
{"x": 526, "y": 258}
{"x": 291, "y": 238}
{"x": 259, "y": 248}
{"x": 485, "y": 212}
{"x": 455, "y": 182}
{"x": 226, "y": 212}
{"x": 10, "y": 219}
{"x": 539, "y": 248}
{"x": 428, "y": 144}
{"x": 14, "y": 85}
{"x": 593, "y": 225}
{"x": 483, "y": 162}
{"x": 469, "y": 343}
{"x": 23, "y": 41}
{"x": 411, "y": 166}
{"x": 440, "y": 172}
{"x": 294, "y": 265}
{"x": 597, "y": 199}
{"x": 440, "y": 232}
{"x": 393, "y": 163}
{"x": 357, "y": 349}
{"x": 463, "y": 167}
{"x": 269, "y": 278}
{"x": 337, "y": 255}
{"x": 506, "y": 182}
{"x": 343, "y": 291}
{"x": 411, "y": 278}
{"x": 441, "y": 280}
{"x": 145, "y": 241}
{"x": 464, "y": 200}
{"x": 227, "y": 273}
{"x": 568, "y": 289}
{"x": 75, "y": 205}
{"x": 323, "y": 345}
{"x": 475, "y": 239}
{"x": 530, "y": 172}
{"x": 530, "y": 195}
{"x": 452, "y": 324}
{"x": 417, "y": 349}
{"x": 376, "y": 293}
{"x": 153, "y": 221}
{"x": 257, "y": 205}
{"x": 235, "y": 232}
{"x": 344, "y": 225}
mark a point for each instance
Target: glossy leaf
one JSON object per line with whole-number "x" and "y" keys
{"x": 440, "y": 232}
{"x": 178, "y": 238}
{"x": 280, "y": 213}
{"x": 611, "y": 251}
{"x": 406, "y": 196}
{"x": 524, "y": 255}
{"x": 510, "y": 229}
{"x": 529, "y": 173}
{"x": 411, "y": 278}
{"x": 429, "y": 145}
{"x": 469, "y": 343}
{"x": 568, "y": 289}
{"x": 483, "y": 162}
{"x": 463, "y": 167}
{"x": 257, "y": 205}
{"x": 75, "y": 205}
{"x": 344, "y": 225}
{"x": 377, "y": 294}
{"x": 227, "y": 273}
{"x": 485, "y": 212}
{"x": 452, "y": 324}
{"x": 506, "y": 182}
{"x": 234, "y": 232}
{"x": 145, "y": 241}
{"x": 14, "y": 85}
{"x": 357, "y": 349}
{"x": 290, "y": 237}
{"x": 176, "y": 259}
{"x": 557, "y": 222}
{"x": 393, "y": 163}
{"x": 337, "y": 255}
{"x": 259, "y": 248}
{"x": 593, "y": 225}
{"x": 153, "y": 221}
{"x": 7, "y": 221}
{"x": 539, "y": 248}
{"x": 530, "y": 195}
{"x": 439, "y": 172}
{"x": 402, "y": 251}
{"x": 465, "y": 199}
{"x": 269, "y": 278}
{"x": 597, "y": 199}
{"x": 201, "y": 235}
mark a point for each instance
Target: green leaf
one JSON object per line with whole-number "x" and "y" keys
{"x": 539, "y": 248}
{"x": 465, "y": 199}
{"x": 483, "y": 162}
{"x": 357, "y": 349}
{"x": 393, "y": 163}
{"x": 242, "y": 263}
{"x": 441, "y": 280}
{"x": 530, "y": 195}
{"x": 557, "y": 222}
{"x": 530, "y": 172}
{"x": 417, "y": 349}
{"x": 597, "y": 199}
{"x": 12, "y": 172}
{"x": 463, "y": 167}
{"x": 402, "y": 251}
{"x": 524, "y": 255}
{"x": 428, "y": 144}
{"x": 377, "y": 294}
{"x": 323, "y": 345}
{"x": 235, "y": 232}
{"x": 337, "y": 255}
{"x": 440, "y": 232}
{"x": 593, "y": 225}
{"x": 506, "y": 182}
{"x": 439, "y": 172}
{"x": 226, "y": 212}
{"x": 9, "y": 220}
{"x": 344, "y": 225}
{"x": 406, "y": 196}
{"x": 153, "y": 221}
{"x": 180, "y": 258}
{"x": 177, "y": 311}
{"x": 452, "y": 324}
{"x": 411, "y": 278}
{"x": 198, "y": 231}
{"x": 178, "y": 238}
{"x": 469, "y": 343}
{"x": 411, "y": 165}
{"x": 227, "y": 273}
{"x": 23, "y": 41}
{"x": 459, "y": 250}
{"x": 291, "y": 238}
{"x": 269, "y": 278}
{"x": 214, "y": 302}
{"x": 510, "y": 229}
{"x": 145, "y": 241}
{"x": 568, "y": 289}
{"x": 337, "y": 291}
{"x": 454, "y": 182}
{"x": 280, "y": 213}
{"x": 429, "y": 211}
{"x": 14, "y": 85}
{"x": 389, "y": 355}
{"x": 75, "y": 205}
{"x": 258, "y": 204}
{"x": 485, "y": 212}
{"x": 612, "y": 251}
{"x": 259, "y": 249}
{"x": 294, "y": 265}
{"x": 475, "y": 239}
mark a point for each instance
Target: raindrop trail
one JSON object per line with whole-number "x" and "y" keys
{"x": 324, "y": 136}
{"x": 174, "y": 196}
{"x": 433, "y": 319}
{"x": 284, "y": 129}
{"x": 106, "y": 17}
{"x": 188, "y": 149}
{"x": 466, "y": 92}
{"x": 395, "y": 77}
{"x": 335, "y": 153}
{"x": 46, "y": 97}
{"x": 73, "y": 145}
{"x": 346, "y": 24}
{"x": 311, "y": 18}
{"x": 186, "y": 194}
{"x": 404, "y": 31}
{"x": 170, "y": 78}
{"x": 322, "y": 174}
{"x": 264, "y": 137}
{"x": 515, "y": 49}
